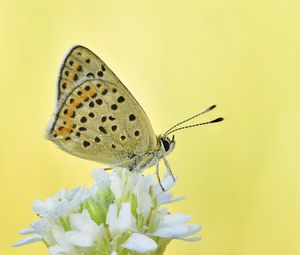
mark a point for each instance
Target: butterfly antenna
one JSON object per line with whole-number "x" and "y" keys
{"x": 195, "y": 125}
{"x": 198, "y": 114}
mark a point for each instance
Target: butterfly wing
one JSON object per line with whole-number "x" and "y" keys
{"x": 78, "y": 64}
{"x": 101, "y": 121}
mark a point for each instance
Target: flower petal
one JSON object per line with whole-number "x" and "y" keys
{"x": 145, "y": 203}
{"x": 131, "y": 183}
{"x": 81, "y": 195}
{"x": 57, "y": 250}
{"x": 111, "y": 216}
{"x": 58, "y": 234}
{"x": 116, "y": 185}
{"x": 141, "y": 190}
{"x": 177, "y": 231}
{"x": 40, "y": 208}
{"x": 40, "y": 226}
{"x": 140, "y": 243}
{"x": 124, "y": 219}
{"x": 101, "y": 178}
{"x": 193, "y": 228}
{"x": 121, "y": 223}
{"x": 28, "y": 240}
{"x": 27, "y": 231}
{"x": 191, "y": 239}
{"x": 84, "y": 223}
{"x": 79, "y": 238}
{"x": 174, "y": 219}
{"x": 166, "y": 197}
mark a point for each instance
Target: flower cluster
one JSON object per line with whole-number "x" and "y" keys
{"x": 122, "y": 213}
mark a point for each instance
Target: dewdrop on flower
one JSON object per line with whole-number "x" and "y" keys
{"x": 121, "y": 213}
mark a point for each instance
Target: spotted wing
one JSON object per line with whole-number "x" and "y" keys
{"x": 81, "y": 63}
{"x": 101, "y": 121}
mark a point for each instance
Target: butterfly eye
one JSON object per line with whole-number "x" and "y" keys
{"x": 166, "y": 144}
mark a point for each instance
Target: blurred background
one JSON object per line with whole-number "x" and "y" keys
{"x": 241, "y": 177}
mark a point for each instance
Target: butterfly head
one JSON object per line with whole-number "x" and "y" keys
{"x": 167, "y": 144}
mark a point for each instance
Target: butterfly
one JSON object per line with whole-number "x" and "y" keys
{"x": 97, "y": 118}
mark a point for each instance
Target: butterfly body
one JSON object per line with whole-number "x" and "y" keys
{"x": 97, "y": 118}
{"x": 151, "y": 156}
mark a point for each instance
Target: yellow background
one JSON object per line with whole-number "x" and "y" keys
{"x": 241, "y": 177}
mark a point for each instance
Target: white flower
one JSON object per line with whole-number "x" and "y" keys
{"x": 62, "y": 203}
{"x": 174, "y": 226}
{"x": 86, "y": 232}
{"x": 123, "y": 222}
{"x": 140, "y": 243}
{"x": 61, "y": 246}
{"x": 121, "y": 213}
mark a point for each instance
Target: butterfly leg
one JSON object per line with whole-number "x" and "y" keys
{"x": 168, "y": 168}
{"x": 157, "y": 174}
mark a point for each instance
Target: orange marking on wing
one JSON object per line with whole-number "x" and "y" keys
{"x": 63, "y": 132}
{"x": 70, "y": 112}
{"x": 78, "y": 67}
{"x": 84, "y": 95}
{"x": 76, "y": 102}
{"x": 74, "y": 77}
{"x": 69, "y": 125}
{"x": 66, "y": 130}
{"x": 92, "y": 92}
